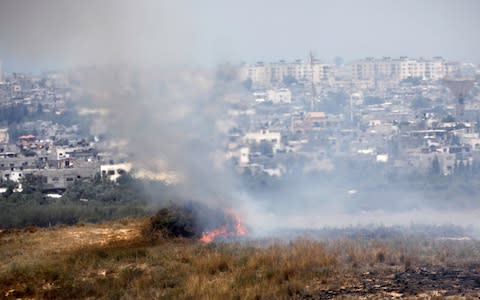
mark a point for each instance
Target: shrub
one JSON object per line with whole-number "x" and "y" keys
{"x": 169, "y": 222}
{"x": 188, "y": 220}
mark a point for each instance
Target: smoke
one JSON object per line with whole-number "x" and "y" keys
{"x": 171, "y": 120}
{"x": 168, "y": 112}
{"x": 173, "y": 115}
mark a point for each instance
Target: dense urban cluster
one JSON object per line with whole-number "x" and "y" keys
{"x": 309, "y": 122}
{"x": 410, "y": 116}
{"x": 45, "y": 136}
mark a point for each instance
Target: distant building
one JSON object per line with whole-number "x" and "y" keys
{"x": 263, "y": 74}
{"x": 244, "y": 156}
{"x": 399, "y": 69}
{"x": 313, "y": 121}
{"x": 279, "y": 96}
{"x": 114, "y": 171}
{"x": 264, "y": 136}
{"x": 4, "y": 137}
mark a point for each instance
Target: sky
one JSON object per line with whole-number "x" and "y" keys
{"x": 49, "y": 34}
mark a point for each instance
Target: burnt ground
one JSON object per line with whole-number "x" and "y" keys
{"x": 415, "y": 283}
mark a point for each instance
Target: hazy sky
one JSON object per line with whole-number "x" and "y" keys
{"x": 57, "y": 33}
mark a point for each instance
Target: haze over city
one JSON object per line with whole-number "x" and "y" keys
{"x": 36, "y": 36}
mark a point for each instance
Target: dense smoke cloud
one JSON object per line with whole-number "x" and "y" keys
{"x": 171, "y": 120}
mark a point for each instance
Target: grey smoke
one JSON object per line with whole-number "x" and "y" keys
{"x": 168, "y": 109}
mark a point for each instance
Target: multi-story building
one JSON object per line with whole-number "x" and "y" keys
{"x": 399, "y": 69}
{"x": 279, "y": 95}
{"x": 263, "y": 74}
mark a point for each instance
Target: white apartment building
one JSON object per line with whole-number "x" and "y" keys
{"x": 279, "y": 96}
{"x": 399, "y": 69}
{"x": 263, "y": 74}
{"x": 264, "y": 136}
{"x": 113, "y": 172}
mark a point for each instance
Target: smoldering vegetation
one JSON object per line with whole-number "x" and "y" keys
{"x": 189, "y": 220}
{"x": 115, "y": 260}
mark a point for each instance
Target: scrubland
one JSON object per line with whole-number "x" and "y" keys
{"x": 115, "y": 260}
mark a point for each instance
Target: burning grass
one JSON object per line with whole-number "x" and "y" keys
{"x": 193, "y": 220}
{"x": 114, "y": 260}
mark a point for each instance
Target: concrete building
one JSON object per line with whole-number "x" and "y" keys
{"x": 264, "y": 136}
{"x": 114, "y": 171}
{"x": 279, "y": 96}
{"x": 314, "y": 121}
{"x": 399, "y": 69}
{"x": 4, "y": 137}
{"x": 263, "y": 75}
{"x": 244, "y": 156}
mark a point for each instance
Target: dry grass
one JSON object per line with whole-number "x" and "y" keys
{"x": 112, "y": 261}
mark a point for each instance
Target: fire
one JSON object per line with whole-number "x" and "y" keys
{"x": 240, "y": 229}
{"x": 225, "y": 230}
{"x": 209, "y": 236}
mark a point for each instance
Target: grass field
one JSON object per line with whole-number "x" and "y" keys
{"x": 114, "y": 261}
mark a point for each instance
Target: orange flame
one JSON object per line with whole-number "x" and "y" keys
{"x": 209, "y": 236}
{"x": 224, "y": 231}
{"x": 240, "y": 229}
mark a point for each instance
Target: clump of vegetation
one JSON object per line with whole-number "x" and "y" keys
{"x": 188, "y": 220}
{"x": 173, "y": 221}
{"x": 87, "y": 200}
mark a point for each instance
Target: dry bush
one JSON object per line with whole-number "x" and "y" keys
{"x": 169, "y": 222}
{"x": 188, "y": 220}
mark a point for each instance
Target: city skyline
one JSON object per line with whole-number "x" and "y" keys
{"x": 211, "y": 32}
